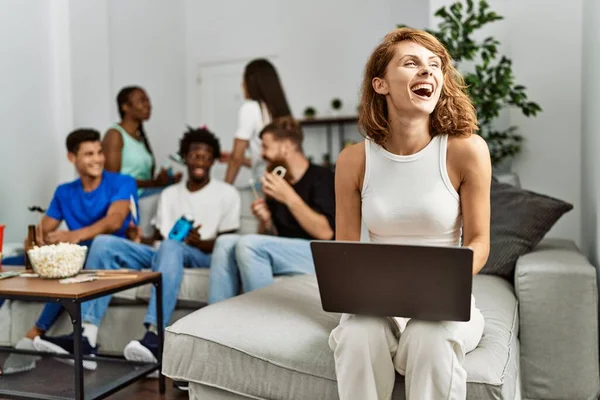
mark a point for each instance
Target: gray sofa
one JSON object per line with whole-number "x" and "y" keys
{"x": 540, "y": 339}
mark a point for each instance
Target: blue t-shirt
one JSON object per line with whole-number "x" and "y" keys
{"x": 80, "y": 209}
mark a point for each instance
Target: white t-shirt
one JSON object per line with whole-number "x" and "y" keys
{"x": 216, "y": 207}
{"x": 252, "y": 118}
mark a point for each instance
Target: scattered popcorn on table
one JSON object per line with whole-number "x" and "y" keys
{"x": 56, "y": 261}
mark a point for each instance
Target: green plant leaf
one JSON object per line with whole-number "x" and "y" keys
{"x": 469, "y": 6}
{"x": 491, "y": 85}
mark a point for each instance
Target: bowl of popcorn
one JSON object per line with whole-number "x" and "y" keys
{"x": 57, "y": 261}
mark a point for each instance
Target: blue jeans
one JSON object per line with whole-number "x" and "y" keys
{"x": 49, "y": 315}
{"x": 111, "y": 252}
{"x": 253, "y": 260}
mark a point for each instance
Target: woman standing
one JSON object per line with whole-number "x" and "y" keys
{"x": 264, "y": 101}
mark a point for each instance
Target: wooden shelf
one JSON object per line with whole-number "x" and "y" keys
{"x": 329, "y": 120}
{"x": 328, "y": 123}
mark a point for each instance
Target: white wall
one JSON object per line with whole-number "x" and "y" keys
{"x": 550, "y": 163}
{"x": 321, "y": 46}
{"x": 591, "y": 136}
{"x": 93, "y": 99}
{"x": 63, "y": 69}
{"x": 72, "y": 57}
{"x": 120, "y": 43}
{"x": 550, "y": 70}
{"x": 147, "y": 48}
{"x": 31, "y": 72}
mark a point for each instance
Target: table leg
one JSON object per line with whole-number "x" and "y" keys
{"x": 161, "y": 333}
{"x": 74, "y": 310}
{"x": 342, "y": 137}
{"x": 329, "y": 143}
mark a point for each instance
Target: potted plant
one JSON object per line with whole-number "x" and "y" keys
{"x": 491, "y": 85}
{"x": 309, "y": 112}
{"x": 336, "y": 105}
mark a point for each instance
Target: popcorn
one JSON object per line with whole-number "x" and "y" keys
{"x": 57, "y": 261}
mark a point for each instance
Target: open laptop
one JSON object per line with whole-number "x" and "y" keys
{"x": 421, "y": 282}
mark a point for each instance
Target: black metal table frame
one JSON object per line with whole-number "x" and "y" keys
{"x": 73, "y": 308}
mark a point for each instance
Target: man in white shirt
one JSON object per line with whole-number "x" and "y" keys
{"x": 215, "y": 208}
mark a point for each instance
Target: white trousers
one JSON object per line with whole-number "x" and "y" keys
{"x": 368, "y": 351}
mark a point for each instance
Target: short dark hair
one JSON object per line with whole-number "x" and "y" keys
{"x": 79, "y": 136}
{"x": 199, "y": 135}
{"x": 285, "y": 128}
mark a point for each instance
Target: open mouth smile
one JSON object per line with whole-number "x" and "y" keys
{"x": 422, "y": 90}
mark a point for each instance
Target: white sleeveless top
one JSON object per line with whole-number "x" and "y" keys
{"x": 252, "y": 118}
{"x": 410, "y": 199}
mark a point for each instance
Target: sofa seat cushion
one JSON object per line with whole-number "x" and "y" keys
{"x": 193, "y": 290}
{"x": 272, "y": 344}
{"x": 192, "y": 294}
{"x": 6, "y": 318}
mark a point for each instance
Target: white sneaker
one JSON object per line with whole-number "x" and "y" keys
{"x": 16, "y": 363}
{"x": 49, "y": 347}
{"x": 135, "y": 351}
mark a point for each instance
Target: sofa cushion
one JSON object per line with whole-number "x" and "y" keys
{"x": 519, "y": 221}
{"x": 192, "y": 294}
{"x": 193, "y": 291}
{"x": 6, "y": 318}
{"x": 272, "y": 344}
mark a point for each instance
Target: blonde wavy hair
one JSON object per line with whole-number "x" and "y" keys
{"x": 454, "y": 113}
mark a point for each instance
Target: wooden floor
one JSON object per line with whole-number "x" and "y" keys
{"x": 148, "y": 390}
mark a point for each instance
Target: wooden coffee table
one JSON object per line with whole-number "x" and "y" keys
{"x": 118, "y": 373}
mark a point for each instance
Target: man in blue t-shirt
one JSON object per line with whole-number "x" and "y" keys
{"x": 97, "y": 203}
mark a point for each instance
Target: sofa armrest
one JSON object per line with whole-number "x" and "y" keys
{"x": 558, "y": 306}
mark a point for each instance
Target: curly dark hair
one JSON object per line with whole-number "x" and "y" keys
{"x": 199, "y": 135}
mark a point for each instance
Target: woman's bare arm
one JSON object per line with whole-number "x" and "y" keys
{"x": 472, "y": 161}
{"x": 236, "y": 160}
{"x": 112, "y": 145}
{"x": 349, "y": 175}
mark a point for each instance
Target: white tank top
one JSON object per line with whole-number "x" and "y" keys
{"x": 410, "y": 199}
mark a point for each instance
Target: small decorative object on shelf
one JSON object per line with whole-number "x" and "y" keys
{"x": 336, "y": 105}
{"x": 309, "y": 112}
